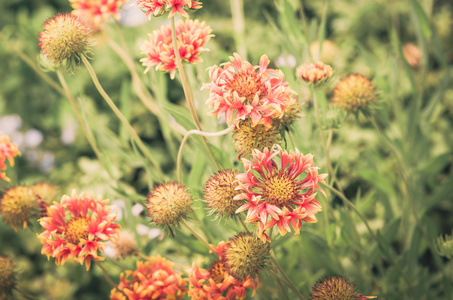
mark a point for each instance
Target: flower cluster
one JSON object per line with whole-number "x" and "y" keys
{"x": 97, "y": 11}
{"x": 191, "y": 36}
{"x": 217, "y": 282}
{"x": 8, "y": 151}
{"x": 314, "y": 73}
{"x": 160, "y": 7}
{"x": 153, "y": 279}
{"x": 240, "y": 91}
{"x": 77, "y": 227}
{"x": 276, "y": 193}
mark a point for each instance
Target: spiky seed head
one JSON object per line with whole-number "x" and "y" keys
{"x": 219, "y": 193}
{"x": 355, "y": 93}
{"x": 18, "y": 206}
{"x": 246, "y": 255}
{"x": 65, "y": 39}
{"x": 247, "y": 137}
{"x": 333, "y": 288}
{"x": 168, "y": 204}
{"x": 7, "y": 277}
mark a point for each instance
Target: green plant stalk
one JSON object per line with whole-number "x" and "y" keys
{"x": 304, "y": 21}
{"x": 186, "y": 88}
{"x": 33, "y": 65}
{"x": 184, "y": 223}
{"x": 242, "y": 223}
{"x": 286, "y": 278}
{"x": 237, "y": 14}
{"x": 184, "y": 141}
{"x": 106, "y": 275}
{"x": 122, "y": 118}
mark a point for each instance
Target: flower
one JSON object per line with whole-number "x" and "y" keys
{"x": 160, "y": 7}
{"x": 220, "y": 191}
{"x": 275, "y": 193}
{"x": 77, "y": 227}
{"x": 7, "y": 277}
{"x": 97, "y": 11}
{"x": 240, "y": 91}
{"x": 248, "y": 137}
{"x": 412, "y": 54}
{"x": 191, "y": 35}
{"x": 335, "y": 288}
{"x": 168, "y": 204}
{"x": 65, "y": 39}
{"x": 314, "y": 73}
{"x": 153, "y": 279}
{"x": 8, "y": 151}
{"x": 217, "y": 283}
{"x": 18, "y": 206}
{"x": 354, "y": 93}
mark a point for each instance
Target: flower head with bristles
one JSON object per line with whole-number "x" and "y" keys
{"x": 241, "y": 91}
{"x": 160, "y": 7}
{"x": 18, "y": 206}
{"x": 355, "y": 93}
{"x": 314, "y": 73}
{"x": 191, "y": 36}
{"x": 282, "y": 193}
{"x": 219, "y": 194}
{"x": 153, "y": 279}
{"x": 8, "y": 151}
{"x": 97, "y": 11}
{"x": 77, "y": 228}
{"x": 65, "y": 39}
{"x": 335, "y": 288}
{"x": 125, "y": 245}
{"x": 7, "y": 277}
{"x": 168, "y": 204}
{"x": 217, "y": 282}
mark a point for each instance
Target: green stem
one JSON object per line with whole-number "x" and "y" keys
{"x": 288, "y": 281}
{"x": 237, "y": 13}
{"x": 184, "y": 141}
{"x": 186, "y": 88}
{"x": 304, "y": 20}
{"x": 122, "y": 118}
{"x": 106, "y": 275}
{"x": 184, "y": 223}
{"x": 242, "y": 223}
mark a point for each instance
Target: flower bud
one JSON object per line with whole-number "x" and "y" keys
{"x": 354, "y": 93}
{"x": 314, "y": 73}
{"x": 445, "y": 246}
{"x": 335, "y": 288}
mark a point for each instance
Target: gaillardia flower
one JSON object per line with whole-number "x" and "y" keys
{"x": 354, "y": 93}
{"x": 335, "y": 288}
{"x": 8, "y": 151}
{"x": 218, "y": 283}
{"x": 160, "y": 7}
{"x": 97, "y": 11}
{"x": 219, "y": 192}
{"x": 191, "y": 36}
{"x": 153, "y": 279}
{"x": 7, "y": 277}
{"x": 281, "y": 194}
{"x": 18, "y": 206}
{"x": 168, "y": 204}
{"x": 65, "y": 39}
{"x": 240, "y": 91}
{"x": 314, "y": 73}
{"x": 77, "y": 227}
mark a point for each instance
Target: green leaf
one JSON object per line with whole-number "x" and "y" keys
{"x": 379, "y": 181}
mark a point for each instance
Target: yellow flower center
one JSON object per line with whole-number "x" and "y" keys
{"x": 247, "y": 85}
{"x": 279, "y": 190}
{"x": 76, "y": 230}
{"x": 217, "y": 271}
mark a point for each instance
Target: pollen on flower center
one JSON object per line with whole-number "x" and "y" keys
{"x": 77, "y": 230}
{"x": 217, "y": 271}
{"x": 247, "y": 85}
{"x": 279, "y": 190}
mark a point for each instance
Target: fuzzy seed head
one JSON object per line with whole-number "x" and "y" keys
{"x": 65, "y": 39}
{"x": 219, "y": 193}
{"x": 18, "y": 206}
{"x": 246, "y": 255}
{"x": 248, "y": 137}
{"x": 168, "y": 204}
{"x": 7, "y": 277}
{"x": 354, "y": 93}
{"x": 333, "y": 288}
{"x": 125, "y": 245}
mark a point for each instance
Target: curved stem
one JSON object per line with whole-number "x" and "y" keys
{"x": 185, "y": 87}
{"x": 122, "y": 118}
{"x": 184, "y": 141}
{"x": 288, "y": 281}
{"x": 184, "y": 223}
{"x": 106, "y": 275}
{"x": 242, "y": 223}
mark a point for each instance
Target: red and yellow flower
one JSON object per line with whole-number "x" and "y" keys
{"x": 8, "y": 151}
{"x": 217, "y": 283}
{"x": 240, "y": 91}
{"x": 77, "y": 227}
{"x": 153, "y": 279}
{"x": 191, "y": 36}
{"x": 282, "y": 193}
{"x": 97, "y": 11}
{"x": 160, "y": 7}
